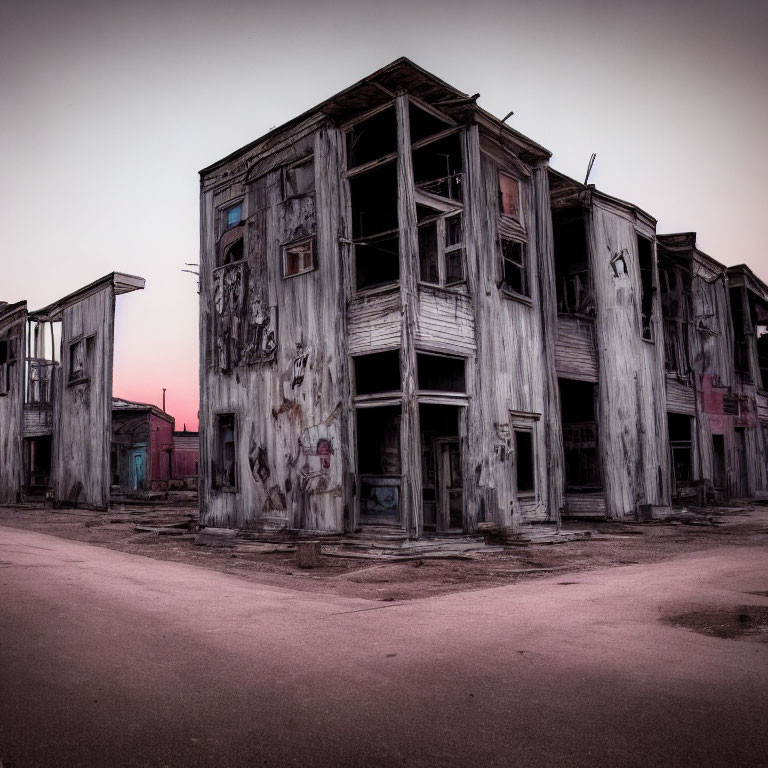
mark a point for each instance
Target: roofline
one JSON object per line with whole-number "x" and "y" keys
{"x": 691, "y": 238}
{"x": 518, "y": 137}
{"x": 749, "y": 274}
{"x": 143, "y": 407}
{"x": 120, "y": 282}
{"x": 8, "y": 310}
{"x": 592, "y": 189}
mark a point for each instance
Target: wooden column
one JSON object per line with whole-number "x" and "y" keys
{"x": 410, "y": 438}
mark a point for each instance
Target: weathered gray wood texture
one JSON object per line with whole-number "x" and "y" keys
{"x": 12, "y": 330}
{"x": 81, "y": 465}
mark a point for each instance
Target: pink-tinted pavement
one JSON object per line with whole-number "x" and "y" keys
{"x": 110, "y": 659}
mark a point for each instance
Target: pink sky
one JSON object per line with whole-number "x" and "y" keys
{"x": 110, "y": 110}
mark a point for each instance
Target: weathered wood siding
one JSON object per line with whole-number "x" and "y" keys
{"x": 445, "y": 321}
{"x": 681, "y": 397}
{"x": 12, "y": 330}
{"x": 281, "y": 419}
{"x": 575, "y": 353}
{"x": 631, "y": 394}
{"x": 373, "y": 322}
{"x": 81, "y": 450}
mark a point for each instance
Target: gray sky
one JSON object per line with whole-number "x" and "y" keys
{"x": 109, "y": 111}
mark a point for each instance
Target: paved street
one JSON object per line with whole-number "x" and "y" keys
{"x": 112, "y": 659}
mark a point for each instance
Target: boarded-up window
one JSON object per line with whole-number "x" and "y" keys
{"x": 514, "y": 266}
{"x": 299, "y": 179}
{"x": 225, "y": 462}
{"x": 299, "y": 257}
{"x": 509, "y": 196}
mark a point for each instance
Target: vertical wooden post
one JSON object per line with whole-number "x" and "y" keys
{"x": 410, "y": 438}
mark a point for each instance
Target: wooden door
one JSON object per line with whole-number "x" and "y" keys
{"x": 450, "y": 490}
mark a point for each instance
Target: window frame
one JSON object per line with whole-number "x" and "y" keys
{"x": 88, "y": 342}
{"x": 294, "y": 244}
{"x": 218, "y": 450}
{"x": 310, "y": 158}
{"x": 654, "y": 288}
{"x": 528, "y": 423}
{"x": 524, "y": 266}
{"x": 221, "y": 215}
{"x": 518, "y": 218}
{"x": 440, "y": 221}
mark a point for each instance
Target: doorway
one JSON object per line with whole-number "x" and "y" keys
{"x": 741, "y": 489}
{"x": 442, "y": 480}
{"x": 39, "y": 453}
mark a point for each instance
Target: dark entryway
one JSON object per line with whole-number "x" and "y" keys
{"x": 38, "y": 461}
{"x": 580, "y": 438}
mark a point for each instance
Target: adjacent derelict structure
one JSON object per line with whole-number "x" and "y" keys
{"x": 408, "y": 319}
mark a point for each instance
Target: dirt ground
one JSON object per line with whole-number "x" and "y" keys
{"x": 608, "y": 544}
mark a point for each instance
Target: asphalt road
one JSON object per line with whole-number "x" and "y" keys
{"x": 110, "y": 659}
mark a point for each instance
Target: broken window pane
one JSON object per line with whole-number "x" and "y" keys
{"x": 232, "y": 253}
{"x": 299, "y": 179}
{"x": 645, "y": 261}
{"x": 424, "y": 123}
{"x": 225, "y": 469}
{"x": 377, "y": 372}
{"x": 509, "y": 196}
{"x": 374, "y": 201}
{"x": 377, "y": 261}
{"x": 76, "y": 360}
{"x": 231, "y": 216}
{"x": 574, "y": 288}
{"x": 438, "y": 167}
{"x": 524, "y": 465}
{"x": 299, "y": 258}
{"x": 441, "y": 373}
{"x": 428, "y": 266}
{"x": 454, "y": 250}
{"x": 514, "y": 266}
{"x": 372, "y": 138}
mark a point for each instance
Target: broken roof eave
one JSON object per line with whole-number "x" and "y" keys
{"x": 741, "y": 274}
{"x": 7, "y": 311}
{"x": 120, "y": 282}
{"x": 334, "y": 106}
{"x": 682, "y": 245}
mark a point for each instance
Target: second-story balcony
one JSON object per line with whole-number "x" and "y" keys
{"x": 39, "y": 396}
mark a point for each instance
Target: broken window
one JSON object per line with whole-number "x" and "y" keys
{"x": 440, "y": 373}
{"x": 509, "y": 196}
{"x": 524, "y": 461}
{"x": 299, "y": 257}
{"x": 680, "y": 440}
{"x": 7, "y": 365}
{"x": 424, "y": 124}
{"x": 230, "y": 216}
{"x": 377, "y": 372}
{"x": 299, "y": 179}
{"x": 375, "y": 226}
{"x": 372, "y": 138}
{"x": 676, "y": 313}
{"x": 438, "y": 167}
{"x": 740, "y": 345}
{"x": 580, "y": 435}
{"x": 232, "y": 253}
{"x": 761, "y": 331}
{"x": 514, "y": 266}
{"x": 225, "y": 462}
{"x": 645, "y": 261}
{"x": 378, "y": 464}
{"x": 441, "y": 250}
{"x": 81, "y": 359}
{"x": 574, "y": 285}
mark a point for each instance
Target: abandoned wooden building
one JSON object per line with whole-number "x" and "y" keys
{"x": 409, "y": 320}
{"x": 56, "y": 395}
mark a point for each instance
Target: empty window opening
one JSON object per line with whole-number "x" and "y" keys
{"x": 372, "y": 139}
{"x": 299, "y": 257}
{"x": 580, "y": 435}
{"x": 38, "y": 460}
{"x": 441, "y": 250}
{"x": 438, "y": 168}
{"x": 378, "y": 463}
{"x": 514, "y": 259}
{"x": 509, "y": 196}
{"x": 81, "y": 354}
{"x": 718, "y": 459}
{"x": 440, "y": 373}
{"x": 676, "y": 313}
{"x": 740, "y": 346}
{"x": 761, "y": 331}
{"x": 231, "y": 216}
{"x": 8, "y": 361}
{"x": 378, "y": 372}
{"x": 377, "y": 261}
{"x": 680, "y": 440}
{"x": 232, "y": 253}
{"x": 374, "y": 201}
{"x": 225, "y": 462}
{"x": 423, "y": 123}
{"x": 3, "y": 352}
{"x": 524, "y": 462}
{"x": 442, "y": 482}
{"x": 299, "y": 179}
{"x": 645, "y": 261}
{"x": 574, "y": 286}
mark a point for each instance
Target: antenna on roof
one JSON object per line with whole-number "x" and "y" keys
{"x": 589, "y": 167}
{"x": 507, "y": 116}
